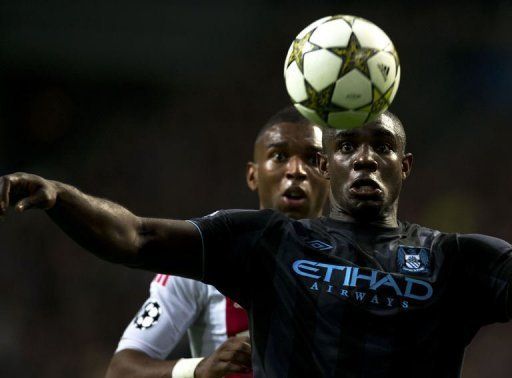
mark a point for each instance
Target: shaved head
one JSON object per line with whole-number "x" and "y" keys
{"x": 387, "y": 119}
{"x": 366, "y": 166}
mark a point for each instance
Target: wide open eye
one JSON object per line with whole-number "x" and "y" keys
{"x": 346, "y": 147}
{"x": 383, "y": 148}
{"x": 279, "y": 157}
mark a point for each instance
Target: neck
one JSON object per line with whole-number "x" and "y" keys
{"x": 384, "y": 218}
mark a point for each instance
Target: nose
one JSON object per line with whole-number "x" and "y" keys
{"x": 365, "y": 160}
{"x": 295, "y": 169}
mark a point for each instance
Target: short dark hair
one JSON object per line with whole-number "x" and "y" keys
{"x": 329, "y": 133}
{"x": 286, "y": 115}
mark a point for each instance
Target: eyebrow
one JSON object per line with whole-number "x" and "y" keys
{"x": 378, "y": 133}
{"x": 276, "y": 145}
{"x": 345, "y": 134}
{"x": 285, "y": 144}
{"x": 385, "y": 133}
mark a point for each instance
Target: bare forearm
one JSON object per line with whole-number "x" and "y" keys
{"x": 105, "y": 228}
{"x": 131, "y": 363}
{"x": 232, "y": 356}
{"x": 115, "y": 234}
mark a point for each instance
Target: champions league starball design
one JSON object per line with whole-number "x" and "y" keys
{"x": 342, "y": 71}
{"x": 148, "y": 315}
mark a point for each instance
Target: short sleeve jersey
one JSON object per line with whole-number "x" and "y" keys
{"x": 177, "y": 305}
{"x": 328, "y": 298}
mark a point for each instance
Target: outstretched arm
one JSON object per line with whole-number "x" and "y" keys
{"x": 107, "y": 229}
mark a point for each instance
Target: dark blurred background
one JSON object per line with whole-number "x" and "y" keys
{"x": 155, "y": 104}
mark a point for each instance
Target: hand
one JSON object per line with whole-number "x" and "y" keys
{"x": 233, "y": 356}
{"x": 27, "y": 191}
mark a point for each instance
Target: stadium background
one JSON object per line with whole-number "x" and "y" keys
{"x": 155, "y": 105}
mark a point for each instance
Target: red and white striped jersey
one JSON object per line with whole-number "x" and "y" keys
{"x": 177, "y": 305}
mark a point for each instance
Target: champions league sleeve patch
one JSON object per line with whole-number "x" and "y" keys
{"x": 148, "y": 315}
{"x": 413, "y": 260}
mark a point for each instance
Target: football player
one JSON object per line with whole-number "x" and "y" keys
{"x": 356, "y": 294}
{"x": 285, "y": 175}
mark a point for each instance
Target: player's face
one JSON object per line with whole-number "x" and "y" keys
{"x": 366, "y": 167}
{"x": 285, "y": 171}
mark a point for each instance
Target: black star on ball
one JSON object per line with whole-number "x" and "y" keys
{"x": 301, "y": 47}
{"x": 354, "y": 56}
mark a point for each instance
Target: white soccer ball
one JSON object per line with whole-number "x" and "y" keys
{"x": 342, "y": 71}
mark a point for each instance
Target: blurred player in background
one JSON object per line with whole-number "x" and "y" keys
{"x": 355, "y": 294}
{"x": 284, "y": 174}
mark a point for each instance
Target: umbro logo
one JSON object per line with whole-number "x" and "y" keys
{"x": 318, "y": 244}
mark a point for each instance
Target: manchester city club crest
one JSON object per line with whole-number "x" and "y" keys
{"x": 413, "y": 259}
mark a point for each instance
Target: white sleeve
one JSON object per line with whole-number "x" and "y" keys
{"x": 173, "y": 305}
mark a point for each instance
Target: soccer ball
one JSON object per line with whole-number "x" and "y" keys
{"x": 342, "y": 71}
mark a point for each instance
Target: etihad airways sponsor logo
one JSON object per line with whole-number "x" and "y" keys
{"x": 363, "y": 285}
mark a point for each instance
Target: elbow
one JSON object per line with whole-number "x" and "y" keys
{"x": 130, "y": 245}
{"x": 131, "y": 363}
{"x": 117, "y": 367}
{"x": 118, "y": 248}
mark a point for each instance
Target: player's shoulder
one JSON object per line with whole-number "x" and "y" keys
{"x": 248, "y": 214}
{"x": 168, "y": 283}
{"x": 459, "y": 242}
{"x": 242, "y": 218}
{"x": 431, "y": 238}
{"x": 483, "y": 243}
{"x": 414, "y": 230}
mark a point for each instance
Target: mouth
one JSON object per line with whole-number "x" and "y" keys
{"x": 366, "y": 189}
{"x": 294, "y": 196}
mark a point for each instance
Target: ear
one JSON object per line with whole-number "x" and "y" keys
{"x": 251, "y": 175}
{"x": 323, "y": 165}
{"x": 406, "y": 165}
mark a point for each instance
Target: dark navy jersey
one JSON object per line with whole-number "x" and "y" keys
{"x": 328, "y": 298}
